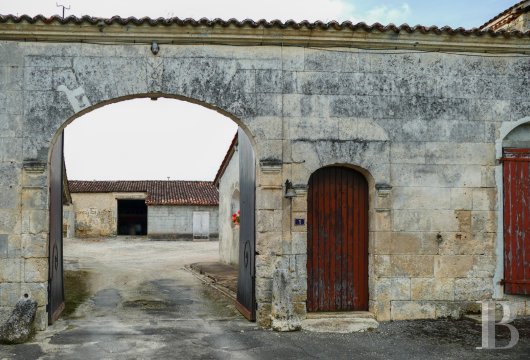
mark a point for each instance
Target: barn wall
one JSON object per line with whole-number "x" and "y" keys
{"x": 95, "y": 214}
{"x": 68, "y": 221}
{"x": 176, "y": 222}
{"x": 228, "y": 233}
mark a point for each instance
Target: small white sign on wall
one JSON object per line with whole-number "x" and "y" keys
{"x": 201, "y": 224}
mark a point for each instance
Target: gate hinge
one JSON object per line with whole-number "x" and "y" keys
{"x": 48, "y": 308}
{"x": 502, "y": 282}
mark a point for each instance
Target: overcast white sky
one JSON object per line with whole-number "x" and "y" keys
{"x": 144, "y": 139}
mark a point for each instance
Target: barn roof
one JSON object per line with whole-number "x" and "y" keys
{"x": 518, "y": 8}
{"x": 159, "y": 192}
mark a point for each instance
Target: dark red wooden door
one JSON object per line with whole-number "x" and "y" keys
{"x": 517, "y": 221}
{"x": 337, "y": 240}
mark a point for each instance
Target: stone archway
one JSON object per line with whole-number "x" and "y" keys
{"x": 56, "y": 163}
{"x": 72, "y": 86}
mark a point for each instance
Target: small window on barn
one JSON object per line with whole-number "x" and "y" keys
{"x": 201, "y": 224}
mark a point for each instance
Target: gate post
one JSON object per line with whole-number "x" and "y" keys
{"x": 283, "y": 315}
{"x": 34, "y": 238}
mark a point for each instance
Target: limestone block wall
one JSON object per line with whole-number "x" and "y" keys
{"x": 421, "y": 126}
{"x": 176, "y": 222}
{"x": 228, "y": 233}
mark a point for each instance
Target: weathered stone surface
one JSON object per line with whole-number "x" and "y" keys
{"x": 407, "y": 153}
{"x": 269, "y": 220}
{"x": 484, "y": 199}
{"x": 382, "y": 221}
{"x": 436, "y": 175}
{"x": 488, "y": 176}
{"x": 404, "y": 265}
{"x": 283, "y": 316}
{"x": 4, "y": 245}
{"x": 452, "y": 266}
{"x": 432, "y": 289}
{"x": 34, "y": 246}
{"x": 474, "y": 289}
{"x": 381, "y": 310}
{"x": 408, "y": 310}
{"x": 461, "y": 198}
{"x": 421, "y": 198}
{"x": 419, "y": 243}
{"x": 342, "y": 325}
{"x": 484, "y": 221}
{"x": 18, "y": 328}
{"x": 387, "y": 289}
{"x": 467, "y": 243}
{"x": 10, "y": 270}
{"x": 269, "y": 199}
{"x": 269, "y": 242}
{"x": 9, "y": 294}
{"x": 299, "y": 243}
{"x": 465, "y": 153}
{"x": 35, "y": 269}
{"x": 424, "y": 220}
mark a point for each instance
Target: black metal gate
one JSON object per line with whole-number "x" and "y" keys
{"x": 246, "y": 301}
{"x": 55, "y": 279}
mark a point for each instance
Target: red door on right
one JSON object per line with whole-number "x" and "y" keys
{"x": 337, "y": 240}
{"x": 516, "y": 167}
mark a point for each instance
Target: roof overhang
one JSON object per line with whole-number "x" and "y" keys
{"x": 250, "y": 33}
{"x": 507, "y": 16}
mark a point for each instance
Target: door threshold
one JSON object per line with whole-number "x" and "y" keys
{"x": 341, "y": 314}
{"x": 340, "y": 322}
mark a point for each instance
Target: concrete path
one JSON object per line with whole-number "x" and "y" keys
{"x": 137, "y": 302}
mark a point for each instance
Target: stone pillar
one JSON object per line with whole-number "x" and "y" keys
{"x": 283, "y": 315}
{"x": 34, "y": 238}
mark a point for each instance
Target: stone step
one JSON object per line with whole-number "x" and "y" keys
{"x": 340, "y": 322}
{"x": 341, "y": 314}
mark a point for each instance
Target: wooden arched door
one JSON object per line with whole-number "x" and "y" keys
{"x": 337, "y": 240}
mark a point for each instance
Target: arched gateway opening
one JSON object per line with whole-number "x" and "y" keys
{"x": 57, "y": 183}
{"x": 337, "y": 240}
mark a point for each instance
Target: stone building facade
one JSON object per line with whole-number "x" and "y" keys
{"x": 421, "y": 113}
{"x": 227, "y": 181}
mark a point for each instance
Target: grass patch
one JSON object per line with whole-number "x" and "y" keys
{"x": 76, "y": 290}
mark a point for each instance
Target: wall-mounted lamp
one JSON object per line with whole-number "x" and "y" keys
{"x": 289, "y": 190}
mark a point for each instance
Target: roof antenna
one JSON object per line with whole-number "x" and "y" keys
{"x": 64, "y": 7}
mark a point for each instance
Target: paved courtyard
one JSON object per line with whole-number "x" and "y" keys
{"x": 133, "y": 300}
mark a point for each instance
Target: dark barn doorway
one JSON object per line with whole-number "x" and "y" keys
{"x": 132, "y": 217}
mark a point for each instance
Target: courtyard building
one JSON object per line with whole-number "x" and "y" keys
{"x": 179, "y": 210}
